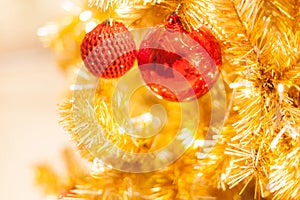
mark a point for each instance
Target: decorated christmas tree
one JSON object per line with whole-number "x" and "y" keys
{"x": 190, "y": 99}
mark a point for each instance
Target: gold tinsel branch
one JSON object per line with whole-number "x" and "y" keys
{"x": 104, "y": 5}
{"x": 56, "y": 185}
{"x": 258, "y": 96}
{"x": 238, "y": 50}
{"x": 260, "y": 43}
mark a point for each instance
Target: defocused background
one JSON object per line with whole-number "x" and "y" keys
{"x": 20, "y": 19}
{"x": 31, "y": 86}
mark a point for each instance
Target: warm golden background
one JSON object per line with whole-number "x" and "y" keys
{"x": 30, "y": 87}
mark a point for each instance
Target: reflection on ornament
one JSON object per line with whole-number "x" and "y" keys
{"x": 178, "y": 65}
{"x": 109, "y": 50}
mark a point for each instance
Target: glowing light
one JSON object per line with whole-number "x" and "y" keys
{"x": 156, "y": 189}
{"x": 280, "y": 88}
{"x": 223, "y": 177}
{"x": 240, "y": 84}
{"x": 98, "y": 165}
{"x": 146, "y": 117}
{"x": 163, "y": 155}
{"x": 47, "y": 30}
{"x": 247, "y": 93}
{"x": 90, "y": 26}
{"x": 200, "y": 174}
{"x": 74, "y": 87}
{"x": 67, "y": 5}
{"x": 142, "y": 121}
{"x": 276, "y": 139}
{"x": 85, "y": 16}
{"x": 71, "y": 7}
{"x": 198, "y": 143}
{"x": 42, "y": 31}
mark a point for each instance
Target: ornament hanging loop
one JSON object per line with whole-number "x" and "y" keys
{"x": 109, "y": 21}
{"x": 180, "y": 13}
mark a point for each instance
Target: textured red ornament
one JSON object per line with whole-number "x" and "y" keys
{"x": 178, "y": 65}
{"x": 109, "y": 50}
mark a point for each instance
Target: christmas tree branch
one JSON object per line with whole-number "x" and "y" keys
{"x": 256, "y": 90}
{"x": 260, "y": 43}
{"x": 255, "y": 130}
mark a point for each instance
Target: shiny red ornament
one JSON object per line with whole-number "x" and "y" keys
{"x": 108, "y": 50}
{"x": 178, "y": 65}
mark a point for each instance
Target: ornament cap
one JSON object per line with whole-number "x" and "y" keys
{"x": 174, "y": 22}
{"x": 109, "y": 22}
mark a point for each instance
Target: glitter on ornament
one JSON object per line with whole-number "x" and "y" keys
{"x": 178, "y": 65}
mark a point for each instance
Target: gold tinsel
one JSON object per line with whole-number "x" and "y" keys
{"x": 257, "y": 155}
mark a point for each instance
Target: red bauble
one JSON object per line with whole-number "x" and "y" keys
{"x": 178, "y": 65}
{"x": 109, "y": 50}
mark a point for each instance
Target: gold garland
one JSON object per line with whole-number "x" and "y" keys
{"x": 259, "y": 146}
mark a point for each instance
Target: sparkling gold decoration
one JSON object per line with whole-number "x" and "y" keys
{"x": 55, "y": 185}
{"x": 257, "y": 155}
